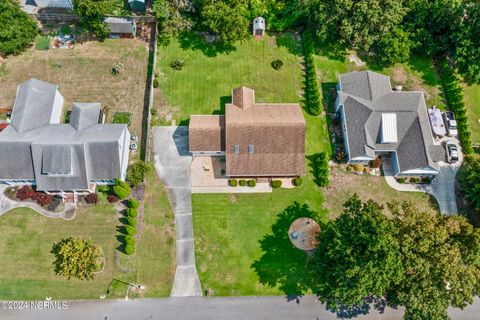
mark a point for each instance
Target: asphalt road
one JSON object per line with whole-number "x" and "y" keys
{"x": 203, "y": 308}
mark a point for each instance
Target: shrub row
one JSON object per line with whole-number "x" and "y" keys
{"x": 312, "y": 89}
{"x": 454, "y": 94}
{"x": 121, "y": 189}
{"x": 321, "y": 170}
{"x": 130, "y": 226}
{"x": 276, "y": 183}
{"x": 242, "y": 182}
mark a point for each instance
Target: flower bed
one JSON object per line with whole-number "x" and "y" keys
{"x": 28, "y": 194}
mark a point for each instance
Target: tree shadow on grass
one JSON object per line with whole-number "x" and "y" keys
{"x": 282, "y": 264}
{"x": 195, "y": 41}
{"x": 291, "y": 41}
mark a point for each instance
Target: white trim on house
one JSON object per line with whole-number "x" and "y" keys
{"x": 208, "y": 153}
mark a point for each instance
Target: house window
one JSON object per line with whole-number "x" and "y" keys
{"x": 237, "y": 149}
{"x": 250, "y": 148}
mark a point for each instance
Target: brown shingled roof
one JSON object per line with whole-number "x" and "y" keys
{"x": 270, "y": 136}
{"x": 207, "y": 133}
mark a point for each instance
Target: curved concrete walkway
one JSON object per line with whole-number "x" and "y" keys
{"x": 442, "y": 187}
{"x": 172, "y": 163}
{"x": 7, "y": 204}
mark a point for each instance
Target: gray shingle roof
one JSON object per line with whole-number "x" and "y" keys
{"x": 56, "y": 159}
{"x": 61, "y": 156}
{"x": 356, "y": 115}
{"x": 367, "y": 85}
{"x": 119, "y": 25}
{"x": 34, "y": 105}
{"x": 366, "y": 96}
{"x": 84, "y": 115}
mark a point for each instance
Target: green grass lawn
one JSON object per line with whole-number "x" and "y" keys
{"x": 205, "y": 83}
{"x": 472, "y": 102}
{"x": 27, "y": 238}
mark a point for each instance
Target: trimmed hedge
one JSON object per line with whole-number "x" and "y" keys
{"x": 312, "y": 89}
{"x": 121, "y": 189}
{"x": 132, "y": 212}
{"x": 321, "y": 169}
{"x": 276, "y": 183}
{"x": 129, "y": 249}
{"x": 129, "y": 230}
{"x": 252, "y": 183}
{"x": 232, "y": 183}
{"x": 297, "y": 181}
{"x": 242, "y": 182}
{"x": 132, "y": 203}
{"x": 131, "y": 221}
{"x": 454, "y": 94}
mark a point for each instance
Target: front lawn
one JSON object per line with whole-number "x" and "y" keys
{"x": 27, "y": 238}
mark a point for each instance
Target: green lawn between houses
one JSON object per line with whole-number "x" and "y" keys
{"x": 228, "y": 227}
{"x": 472, "y": 102}
{"x": 26, "y": 271}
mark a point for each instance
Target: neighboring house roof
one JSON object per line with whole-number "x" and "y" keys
{"x": 261, "y": 139}
{"x": 120, "y": 25}
{"x": 48, "y": 3}
{"x": 379, "y": 119}
{"x": 206, "y": 133}
{"x": 60, "y": 156}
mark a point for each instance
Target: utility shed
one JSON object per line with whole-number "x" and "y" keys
{"x": 258, "y": 27}
{"x": 137, "y": 5}
{"x": 121, "y": 27}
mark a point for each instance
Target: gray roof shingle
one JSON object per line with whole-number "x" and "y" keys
{"x": 366, "y": 96}
{"x": 60, "y": 156}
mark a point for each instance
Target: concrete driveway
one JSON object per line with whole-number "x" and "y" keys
{"x": 442, "y": 187}
{"x": 172, "y": 163}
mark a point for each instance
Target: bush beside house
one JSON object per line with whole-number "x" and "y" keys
{"x": 321, "y": 169}
{"x": 454, "y": 94}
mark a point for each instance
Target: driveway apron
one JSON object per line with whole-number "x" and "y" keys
{"x": 172, "y": 163}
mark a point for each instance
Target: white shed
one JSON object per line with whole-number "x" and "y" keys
{"x": 258, "y": 27}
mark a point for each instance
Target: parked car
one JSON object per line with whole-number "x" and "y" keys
{"x": 450, "y": 123}
{"x": 452, "y": 152}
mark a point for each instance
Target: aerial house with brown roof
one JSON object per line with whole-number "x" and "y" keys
{"x": 256, "y": 139}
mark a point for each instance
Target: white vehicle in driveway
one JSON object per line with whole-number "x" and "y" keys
{"x": 452, "y": 152}
{"x": 450, "y": 123}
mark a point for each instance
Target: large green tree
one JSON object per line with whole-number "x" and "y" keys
{"x": 173, "y": 16}
{"x": 431, "y": 24}
{"x": 92, "y": 13}
{"x": 469, "y": 178}
{"x": 357, "y": 23}
{"x": 226, "y": 18}
{"x": 76, "y": 258}
{"x": 357, "y": 256}
{"x": 467, "y": 53}
{"x": 441, "y": 259}
{"x": 17, "y": 29}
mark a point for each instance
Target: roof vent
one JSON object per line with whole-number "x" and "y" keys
{"x": 389, "y": 128}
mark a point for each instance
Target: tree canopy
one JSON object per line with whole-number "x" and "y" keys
{"x": 357, "y": 256}
{"x": 17, "y": 29}
{"x": 467, "y": 52}
{"x": 76, "y": 258}
{"x": 92, "y": 13}
{"x": 422, "y": 261}
{"x": 469, "y": 178}
{"x": 227, "y": 18}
